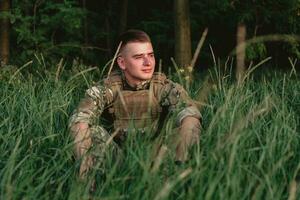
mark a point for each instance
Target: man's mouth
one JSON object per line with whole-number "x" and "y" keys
{"x": 147, "y": 70}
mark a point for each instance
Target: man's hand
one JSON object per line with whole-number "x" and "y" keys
{"x": 189, "y": 132}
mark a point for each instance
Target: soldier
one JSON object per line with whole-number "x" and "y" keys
{"x": 136, "y": 98}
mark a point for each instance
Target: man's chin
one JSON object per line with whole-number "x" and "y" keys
{"x": 147, "y": 77}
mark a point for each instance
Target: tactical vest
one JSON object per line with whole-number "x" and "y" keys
{"x": 135, "y": 109}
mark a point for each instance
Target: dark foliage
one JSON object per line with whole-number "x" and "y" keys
{"x": 86, "y": 30}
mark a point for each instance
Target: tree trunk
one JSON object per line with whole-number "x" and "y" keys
{"x": 240, "y": 52}
{"x": 183, "y": 52}
{"x": 4, "y": 32}
{"x": 123, "y": 16}
{"x": 85, "y": 27}
{"x": 108, "y": 30}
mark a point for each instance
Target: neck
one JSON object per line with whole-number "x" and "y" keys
{"x": 131, "y": 82}
{"x": 137, "y": 85}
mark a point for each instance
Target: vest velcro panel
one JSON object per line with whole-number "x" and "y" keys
{"x": 135, "y": 108}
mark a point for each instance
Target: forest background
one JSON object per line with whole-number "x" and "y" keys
{"x": 86, "y": 30}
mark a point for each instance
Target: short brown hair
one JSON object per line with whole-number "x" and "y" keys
{"x": 133, "y": 35}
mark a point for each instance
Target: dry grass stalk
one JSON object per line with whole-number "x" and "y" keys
{"x": 159, "y": 158}
{"x": 59, "y": 69}
{"x": 293, "y": 190}
{"x": 170, "y": 184}
{"x": 110, "y": 139}
{"x": 199, "y": 46}
{"x": 240, "y": 54}
{"x": 113, "y": 61}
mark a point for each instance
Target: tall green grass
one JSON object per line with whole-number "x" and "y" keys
{"x": 249, "y": 147}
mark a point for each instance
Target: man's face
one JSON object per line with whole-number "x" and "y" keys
{"x": 137, "y": 61}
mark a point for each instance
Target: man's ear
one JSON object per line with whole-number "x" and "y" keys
{"x": 120, "y": 61}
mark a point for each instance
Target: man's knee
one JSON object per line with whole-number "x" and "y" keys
{"x": 99, "y": 134}
{"x": 101, "y": 144}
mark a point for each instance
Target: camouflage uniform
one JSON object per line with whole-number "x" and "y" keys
{"x": 140, "y": 108}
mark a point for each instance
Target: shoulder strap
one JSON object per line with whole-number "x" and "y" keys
{"x": 159, "y": 77}
{"x": 114, "y": 83}
{"x": 158, "y": 81}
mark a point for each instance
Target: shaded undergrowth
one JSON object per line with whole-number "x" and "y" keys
{"x": 249, "y": 146}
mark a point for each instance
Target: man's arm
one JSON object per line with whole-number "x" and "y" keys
{"x": 85, "y": 116}
{"x": 187, "y": 117}
{"x": 83, "y": 141}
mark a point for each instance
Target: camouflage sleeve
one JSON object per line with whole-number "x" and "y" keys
{"x": 175, "y": 97}
{"x": 82, "y": 121}
{"x": 91, "y": 106}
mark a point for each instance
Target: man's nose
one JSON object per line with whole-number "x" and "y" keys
{"x": 147, "y": 61}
